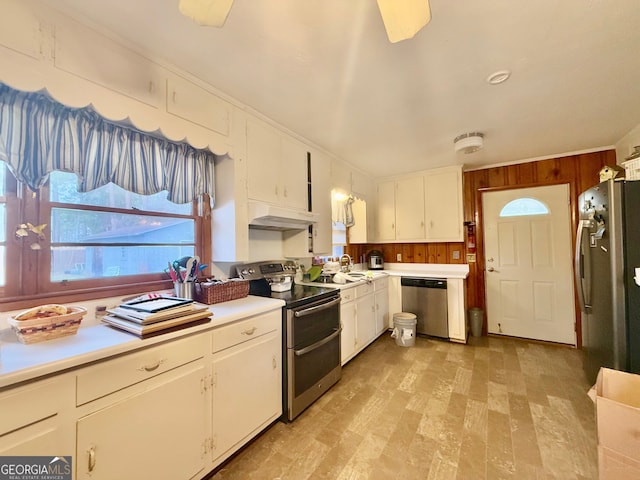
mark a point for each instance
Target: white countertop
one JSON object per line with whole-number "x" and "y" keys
{"x": 427, "y": 270}
{"x": 97, "y": 341}
{"x": 423, "y": 270}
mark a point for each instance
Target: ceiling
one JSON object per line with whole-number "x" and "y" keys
{"x": 326, "y": 70}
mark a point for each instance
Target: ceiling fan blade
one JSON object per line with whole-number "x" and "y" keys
{"x": 212, "y": 13}
{"x": 404, "y": 18}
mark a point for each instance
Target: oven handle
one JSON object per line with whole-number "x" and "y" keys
{"x": 312, "y": 310}
{"x": 311, "y": 348}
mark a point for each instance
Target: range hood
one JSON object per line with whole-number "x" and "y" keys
{"x": 272, "y": 217}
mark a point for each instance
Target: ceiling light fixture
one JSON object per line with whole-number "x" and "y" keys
{"x": 402, "y": 18}
{"x": 468, "y": 142}
{"x": 211, "y": 13}
{"x": 498, "y": 77}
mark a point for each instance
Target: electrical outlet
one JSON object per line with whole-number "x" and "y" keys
{"x": 456, "y": 255}
{"x": 399, "y": 257}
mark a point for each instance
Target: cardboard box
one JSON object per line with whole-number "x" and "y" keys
{"x": 617, "y": 398}
{"x": 615, "y": 466}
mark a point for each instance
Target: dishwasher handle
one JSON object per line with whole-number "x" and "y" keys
{"x": 421, "y": 282}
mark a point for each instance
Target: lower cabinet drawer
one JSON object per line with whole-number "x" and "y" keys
{"x": 113, "y": 375}
{"x": 31, "y": 403}
{"x": 365, "y": 289}
{"x": 381, "y": 283}
{"x": 235, "y": 333}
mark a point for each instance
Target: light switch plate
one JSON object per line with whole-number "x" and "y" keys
{"x": 399, "y": 257}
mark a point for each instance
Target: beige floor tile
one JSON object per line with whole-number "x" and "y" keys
{"x": 497, "y": 408}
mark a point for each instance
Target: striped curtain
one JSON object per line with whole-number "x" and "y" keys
{"x": 39, "y": 135}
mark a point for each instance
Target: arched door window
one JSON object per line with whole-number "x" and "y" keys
{"x": 523, "y": 207}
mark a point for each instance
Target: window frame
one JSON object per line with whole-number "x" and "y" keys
{"x": 31, "y": 285}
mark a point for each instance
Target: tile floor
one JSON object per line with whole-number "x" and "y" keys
{"x": 495, "y": 408}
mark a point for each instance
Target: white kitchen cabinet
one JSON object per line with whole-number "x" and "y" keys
{"x": 140, "y": 410}
{"x": 426, "y": 207}
{"x": 247, "y": 381}
{"x": 293, "y": 170}
{"x": 34, "y": 419}
{"x": 395, "y": 298}
{"x": 348, "y": 320}
{"x": 276, "y": 167}
{"x": 100, "y": 60}
{"x": 157, "y": 433}
{"x": 363, "y": 309}
{"x": 410, "y": 208}
{"x": 386, "y": 219}
{"x": 193, "y": 103}
{"x": 456, "y": 310}
{"x": 381, "y": 299}
{"x": 401, "y": 209}
{"x": 20, "y": 30}
{"x": 443, "y": 205}
{"x": 365, "y": 316}
{"x": 321, "y": 202}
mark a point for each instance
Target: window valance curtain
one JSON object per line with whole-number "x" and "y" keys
{"x": 39, "y": 135}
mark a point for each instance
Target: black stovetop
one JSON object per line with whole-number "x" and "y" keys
{"x": 298, "y": 296}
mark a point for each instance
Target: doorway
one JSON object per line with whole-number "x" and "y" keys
{"x": 529, "y": 276}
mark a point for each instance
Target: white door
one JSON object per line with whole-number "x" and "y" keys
{"x": 529, "y": 280}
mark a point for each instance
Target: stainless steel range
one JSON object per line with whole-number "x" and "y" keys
{"x": 311, "y": 332}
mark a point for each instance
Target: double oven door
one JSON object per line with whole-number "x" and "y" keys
{"x": 312, "y": 353}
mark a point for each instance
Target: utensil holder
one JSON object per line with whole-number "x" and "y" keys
{"x": 183, "y": 289}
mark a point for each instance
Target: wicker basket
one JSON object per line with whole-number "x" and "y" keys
{"x": 210, "y": 293}
{"x": 48, "y": 328}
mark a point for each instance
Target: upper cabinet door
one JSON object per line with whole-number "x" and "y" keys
{"x": 20, "y": 29}
{"x": 293, "y": 171}
{"x": 104, "y": 62}
{"x": 443, "y": 205}
{"x": 321, "y": 202}
{"x": 426, "y": 207}
{"x": 410, "y": 208}
{"x": 263, "y": 159}
{"x": 387, "y": 211}
{"x": 277, "y": 167}
{"x": 195, "y": 104}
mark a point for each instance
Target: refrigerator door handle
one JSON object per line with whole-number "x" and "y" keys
{"x": 579, "y": 264}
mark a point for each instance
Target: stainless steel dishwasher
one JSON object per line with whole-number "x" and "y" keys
{"x": 427, "y": 298}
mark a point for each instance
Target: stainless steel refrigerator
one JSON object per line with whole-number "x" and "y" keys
{"x": 607, "y": 254}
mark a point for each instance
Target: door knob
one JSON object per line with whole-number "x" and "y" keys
{"x": 491, "y": 269}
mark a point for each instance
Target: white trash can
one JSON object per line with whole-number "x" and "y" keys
{"x": 404, "y": 329}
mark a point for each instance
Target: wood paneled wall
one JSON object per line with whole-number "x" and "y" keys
{"x": 411, "y": 252}
{"x": 579, "y": 171}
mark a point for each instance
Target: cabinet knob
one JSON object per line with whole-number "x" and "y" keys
{"x": 274, "y": 363}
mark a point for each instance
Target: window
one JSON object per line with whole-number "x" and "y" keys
{"x": 524, "y": 206}
{"x": 80, "y": 242}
